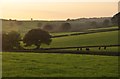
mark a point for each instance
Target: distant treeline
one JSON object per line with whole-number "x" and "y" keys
{"x": 70, "y": 25}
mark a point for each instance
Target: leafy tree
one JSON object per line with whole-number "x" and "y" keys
{"x": 48, "y": 27}
{"x": 116, "y": 19}
{"x": 66, "y": 26}
{"x": 37, "y": 37}
{"x": 106, "y": 22}
{"x": 11, "y": 40}
{"x": 68, "y": 19}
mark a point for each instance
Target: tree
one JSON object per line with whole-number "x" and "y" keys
{"x": 47, "y": 27}
{"x": 37, "y": 37}
{"x": 68, "y": 19}
{"x": 106, "y": 22}
{"x": 11, "y": 40}
{"x": 66, "y": 26}
{"x": 116, "y": 19}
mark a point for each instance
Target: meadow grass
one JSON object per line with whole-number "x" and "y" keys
{"x": 58, "y": 65}
{"x": 102, "y": 38}
{"x": 104, "y": 28}
{"x": 63, "y": 33}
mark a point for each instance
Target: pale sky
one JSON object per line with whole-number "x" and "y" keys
{"x": 57, "y": 9}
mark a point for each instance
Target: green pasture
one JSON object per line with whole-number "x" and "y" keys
{"x": 101, "y": 38}
{"x": 63, "y": 33}
{"x": 104, "y": 28}
{"x": 58, "y": 65}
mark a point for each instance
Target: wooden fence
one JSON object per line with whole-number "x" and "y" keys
{"x": 78, "y": 51}
{"x": 81, "y": 47}
{"x": 87, "y": 32}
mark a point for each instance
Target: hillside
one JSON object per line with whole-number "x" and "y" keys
{"x": 102, "y": 38}
{"x": 24, "y": 26}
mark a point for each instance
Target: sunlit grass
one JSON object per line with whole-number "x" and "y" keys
{"x": 18, "y": 64}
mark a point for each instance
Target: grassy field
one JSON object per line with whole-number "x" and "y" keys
{"x": 107, "y": 28}
{"x": 103, "y": 38}
{"x": 63, "y": 33}
{"x": 58, "y": 65}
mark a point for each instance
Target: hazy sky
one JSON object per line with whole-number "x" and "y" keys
{"x": 57, "y": 9}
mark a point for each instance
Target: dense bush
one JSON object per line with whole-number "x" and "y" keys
{"x": 37, "y": 37}
{"x": 11, "y": 41}
{"x": 116, "y": 19}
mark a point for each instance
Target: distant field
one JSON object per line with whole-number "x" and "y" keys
{"x": 107, "y": 28}
{"x": 63, "y": 33}
{"x": 24, "y": 26}
{"x": 58, "y": 65}
{"x": 104, "y": 38}
{"x": 88, "y": 30}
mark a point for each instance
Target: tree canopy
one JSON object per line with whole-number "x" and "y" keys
{"x": 116, "y": 19}
{"x": 37, "y": 37}
{"x": 11, "y": 40}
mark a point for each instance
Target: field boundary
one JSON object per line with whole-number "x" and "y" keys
{"x": 81, "y": 33}
{"x": 77, "y": 51}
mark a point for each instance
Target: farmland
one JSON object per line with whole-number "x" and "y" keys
{"x": 31, "y": 64}
{"x": 58, "y": 65}
{"x": 25, "y": 64}
{"x": 104, "y": 38}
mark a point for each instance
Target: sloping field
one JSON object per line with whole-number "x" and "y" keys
{"x": 103, "y": 38}
{"x": 58, "y": 65}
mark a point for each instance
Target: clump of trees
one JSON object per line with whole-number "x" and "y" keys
{"x": 37, "y": 37}
{"x": 11, "y": 40}
{"x": 66, "y": 27}
{"x": 116, "y": 19}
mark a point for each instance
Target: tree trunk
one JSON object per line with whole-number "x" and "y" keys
{"x": 38, "y": 46}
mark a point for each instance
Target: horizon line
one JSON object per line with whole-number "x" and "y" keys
{"x": 56, "y": 19}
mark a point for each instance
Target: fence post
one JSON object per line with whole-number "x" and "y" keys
{"x": 105, "y": 47}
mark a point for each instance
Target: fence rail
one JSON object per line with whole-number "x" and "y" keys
{"x": 105, "y": 46}
{"x": 59, "y": 50}
{"x": 81, "y": 33}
